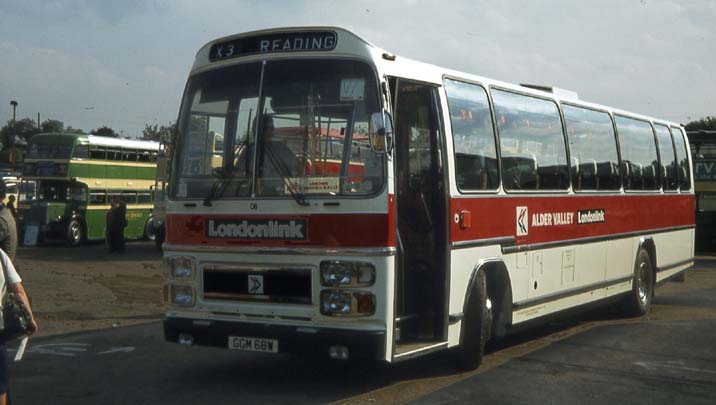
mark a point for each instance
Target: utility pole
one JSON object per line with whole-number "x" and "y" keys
{"x": 38, "y": 120}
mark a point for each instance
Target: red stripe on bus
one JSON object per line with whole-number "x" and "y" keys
{"x": 557, "y": 218}
{"x": 323, "y": 230}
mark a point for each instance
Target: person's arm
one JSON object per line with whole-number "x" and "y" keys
{"x": 19, "y": 291}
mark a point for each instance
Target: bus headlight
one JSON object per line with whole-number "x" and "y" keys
{"x": 179, "y": 267}
{"x": 345, "y": 303}
{"x": 182, "y": 295}
{"x": 335, "y": 302}
{"x": 340, "y": 273}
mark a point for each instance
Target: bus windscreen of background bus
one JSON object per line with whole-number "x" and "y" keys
{"x": 703, "y": 153}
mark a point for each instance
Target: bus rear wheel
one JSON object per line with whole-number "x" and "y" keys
{"x": 639, "y": 300}
{"x": 476, "y": 325}
{"x": 75, "y": 233}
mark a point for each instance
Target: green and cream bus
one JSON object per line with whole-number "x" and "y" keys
{"x": 75, "y": 177}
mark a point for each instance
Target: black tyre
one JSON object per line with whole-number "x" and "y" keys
{"x": 476, "y": 325}
{"x": 159, "y": 240}
{"x": 640, "y": 297}
{"x": 75, "y": 233}
{"x": 150, "y": 232}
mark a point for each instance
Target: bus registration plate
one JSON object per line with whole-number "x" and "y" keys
{"x": 252, "y": 344}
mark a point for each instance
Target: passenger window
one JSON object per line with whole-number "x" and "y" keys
{"x": 534, "y": 156}
{"x": 473, "y": 136}
{"x": 684, "y": 171}
{"x": 114, "y": 154}
{"x": 129, "y": 197}
{"x": 144, "y": 198}
{"x": 129, "y": 155}
{"x": 98, "y": 152}
{"x": 639, "y": 158}
{"x": 667, "y": 156}
{"x": 98, "y": 198}
{"x": 592, "y": 149}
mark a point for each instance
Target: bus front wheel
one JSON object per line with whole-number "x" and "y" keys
{"x": 476, "y": 325}
{"x": 641, "y": 295}
{"x": 74, "y": 233}
{"x": 150, "y": 231}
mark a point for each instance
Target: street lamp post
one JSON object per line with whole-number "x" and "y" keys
{"x": 11, "y": 140}
{"x": 13, "y": 103}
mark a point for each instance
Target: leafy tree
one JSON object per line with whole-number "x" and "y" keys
{"x": 70, "y": 130}
{"x": 708, "y": 123}
{"x": 51, "y": 125}
{"x": 105, "y": 131}
{"x": 164, "y": 133}
{"x": 23, "y": 131}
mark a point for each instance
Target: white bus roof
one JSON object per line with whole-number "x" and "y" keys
{"x": 349, "y": 44}
{"x": 119, "y": 142}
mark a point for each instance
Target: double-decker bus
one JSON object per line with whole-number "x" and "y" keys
{"x": 703, "y": 153}
{"x": 458, "y": 207}
{"x": 76, "y": 177}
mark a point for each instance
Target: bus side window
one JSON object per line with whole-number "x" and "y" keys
{"x": 144, "y": 156}
{"x": 98, "y": 152}
{"x": 144, "y": 197}
{"x": 593, "y": 149}
{"x": 534, "y": 155}
{"x": 114, "y": 154}
{"x": 129, "y": 155}
{"x": 98, "y": 198}
{"x": 473, "y": 136}
{"x": 129, "y": 197}
{"x": 683, "y": 159}
{"x": 667, "y": 155}
{"x": 639, "y": 157}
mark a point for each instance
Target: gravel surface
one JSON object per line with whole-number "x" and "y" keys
{"x": 85, "y": 288}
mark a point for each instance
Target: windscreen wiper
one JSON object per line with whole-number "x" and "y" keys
{"x": 224, "y": 177}
{"x": 219, "y": 186}
{"x": 283, "y": 171}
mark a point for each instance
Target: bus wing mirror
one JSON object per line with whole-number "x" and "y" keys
{"x": 380, "y": 130}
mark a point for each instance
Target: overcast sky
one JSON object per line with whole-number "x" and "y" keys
{"x": 124, "y": 63}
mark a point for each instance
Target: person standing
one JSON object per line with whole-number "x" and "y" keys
{"x": 10, "y": 281}
{"x": 8, "y": 229}
{"x": 11, "y": 205}
{"x": 119, "y": 222}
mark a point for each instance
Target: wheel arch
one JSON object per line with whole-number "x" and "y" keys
{"x": 499, "y": 289}
{"x": 647, "y": 243}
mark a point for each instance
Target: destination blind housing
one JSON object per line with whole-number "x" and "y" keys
{"x": 270, "y": 43}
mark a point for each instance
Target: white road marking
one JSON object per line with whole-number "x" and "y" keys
{"x": 127, "y": 349}
{"x": 673, "y": 364}
{"x": 59, "y": 349}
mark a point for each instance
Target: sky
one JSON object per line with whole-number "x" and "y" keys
{"x": 124, "y": 64}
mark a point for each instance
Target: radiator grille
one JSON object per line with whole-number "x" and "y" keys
{"x": 279, "y": 285}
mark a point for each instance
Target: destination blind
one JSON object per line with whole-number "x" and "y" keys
{"x": 270, "y": 43}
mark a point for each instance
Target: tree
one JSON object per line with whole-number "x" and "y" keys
{"x": 70, "y": 130}
{"x": 159, "y": 133}
{"x": 51, "y": 125}
{"x": 23, "y": 131}
{"x": 708, "y": 123}
{"x": 105, "y": 131}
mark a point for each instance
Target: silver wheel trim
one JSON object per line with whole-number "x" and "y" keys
{"x": 642, "y": 284}
{"x": 75, "y": 232}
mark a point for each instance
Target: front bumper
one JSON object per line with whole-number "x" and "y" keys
{"x": 293, "y": 339}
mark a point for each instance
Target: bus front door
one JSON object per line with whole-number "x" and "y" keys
{"x": 421, "y": 282}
